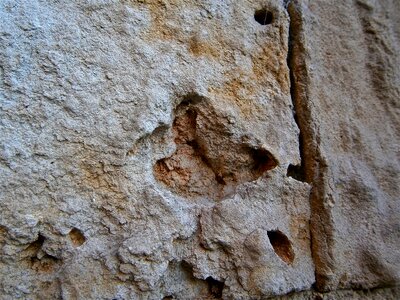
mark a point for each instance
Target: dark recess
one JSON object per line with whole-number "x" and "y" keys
{"x": 35, "y": 246}
{"x": 77, "y": 237}
{"x": 263, "y": 160}
{"x": 263, "y": 16}
{"x": 296, "y": 172}
{"x": 282, "y": 246}
{"x": 215, "y": 287}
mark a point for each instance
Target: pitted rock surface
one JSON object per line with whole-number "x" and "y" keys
{"x": 168, "y": 149}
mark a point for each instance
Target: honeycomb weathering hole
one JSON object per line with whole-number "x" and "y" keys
{"x": 282, "y": 246}
{"x": 263, "y": 16}
{"x": 77, "y": 237}
{"x": 35, "y": 246}
{"x": 207, "y": 162}
{"x": 263, "y": 161}
{"x": 296, "y": 172}
{"x": 215, "y": 287}
{"x": 38, "y": 259}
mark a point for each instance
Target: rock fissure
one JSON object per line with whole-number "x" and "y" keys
{"x": 295, "y": 171}
{"x": 311, "y": 169}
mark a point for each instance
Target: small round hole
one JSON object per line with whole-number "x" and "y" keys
{"x": 263, "y": 16}
{"x": 77, "y": 237}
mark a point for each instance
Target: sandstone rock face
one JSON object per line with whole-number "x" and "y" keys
{"x": 348, "y": 90}
{"x": 199, "y": 149}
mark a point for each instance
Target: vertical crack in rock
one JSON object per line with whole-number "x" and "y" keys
{"x": 313, "y": 166}
{"x": 296, "y": 75}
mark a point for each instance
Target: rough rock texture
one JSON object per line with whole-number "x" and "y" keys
{"x": 158, "y": 149}
{"x": 347, "y": 100}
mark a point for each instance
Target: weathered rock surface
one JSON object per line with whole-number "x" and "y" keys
{"x": 348, "y": 106}
{"x": 199, "y": 149}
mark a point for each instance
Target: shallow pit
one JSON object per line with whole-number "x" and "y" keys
{"x": 77, "y": 237}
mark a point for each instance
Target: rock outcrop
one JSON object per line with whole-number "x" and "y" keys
{"x": 157, "y": 149}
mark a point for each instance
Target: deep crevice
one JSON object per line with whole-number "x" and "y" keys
{"x": 313, "y": 166}
{"x": 295, "y": 171}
